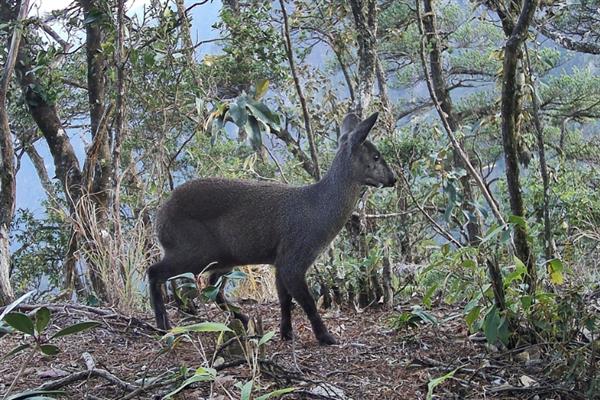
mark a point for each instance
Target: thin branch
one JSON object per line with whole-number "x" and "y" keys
{"x": 436, "y": 226}
{"x": 305, "y": 113}
{"x": 455, "y": 144}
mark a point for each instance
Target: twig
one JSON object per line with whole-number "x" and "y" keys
{"x": 437, "y": 226}
{"x": 305, "y": 113}
{"x": 277, "y": 163}
{"x": 84, "y": 375}
{"x": 455, "y": 144}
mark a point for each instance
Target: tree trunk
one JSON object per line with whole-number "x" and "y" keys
{"x": 510, "y": 112}
{"x": 549, "y": 245}
{"x": 8, "y": 189}
{"x": 365, "y": 20}
{"x": 66, "y": 165}
{"x": 101, "y": 168}
{"x": 443, "y": 96}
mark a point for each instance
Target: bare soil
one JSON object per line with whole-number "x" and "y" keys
{"x": 372, "y": 360}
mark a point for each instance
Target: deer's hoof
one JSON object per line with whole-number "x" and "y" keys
{"x": 287, "y": 335}
{"x": 327, "y": 339}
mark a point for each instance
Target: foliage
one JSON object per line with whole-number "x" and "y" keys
{"x": 228, "y": 107}
{"x": 37, "y": 339}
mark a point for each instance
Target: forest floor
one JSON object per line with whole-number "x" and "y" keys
{"x": 372, "y": 361}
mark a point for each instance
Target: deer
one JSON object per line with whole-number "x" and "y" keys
{"x": 213, "y": 225}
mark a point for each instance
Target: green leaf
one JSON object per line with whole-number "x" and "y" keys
{"x": 49, "y": 349}
{"x": 503, "y": 333}
{"x": 275, "y": 393}
{"x": 438, "y": 381}
{"x": 246, "y": 391}
{"x": 517, "y": 274}
{"x": 238, "y": 113}
{"x": 526, "y": 301}
{"x": 201, "y": 375}
{"x": 491, "y": 324}
{"x": 472, "y": 316}
{"x": 20, "y": 322}
{"x": 556, "y": 268}
{"x": 42, "y": 318}
{"x": 429, "y": 294}
{"x": 262, "y": 87}
{"x": 266, "y": 337}
{"x": 210, "y": 292}
{"x": 76, "y": 328}
{"x": 262, "y": 113}
{"x": 492, "y": 233}
{"x": 16, "y": 350}
{"x": 253, "y": 130}
{"x": 425, "y": 316}
{"x": 518, "y": 220}
{"x": 201, "y": 327}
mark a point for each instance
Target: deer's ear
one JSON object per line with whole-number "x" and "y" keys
{"x": 362, "y": 130}
{"x": 348, "y": 125}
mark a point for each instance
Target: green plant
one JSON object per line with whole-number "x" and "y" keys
{"x": 246, "y": 391}
{"x": 411, "y": 319}
{"x": 250, "y": 345}
{"x": 34, "y": 329}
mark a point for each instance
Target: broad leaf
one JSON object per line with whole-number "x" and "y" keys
{"x": 252, "y": 129}
{"x": 492, "y": 233}
{"x": 518, "y": 220}
{"x": 49, "y": 349}
{"x": 438, "y": 381}
{"x": 491, "y": 324}
{"x": 201, "y": 375}
{"x": 15, "y": 351}
{"x": 211, "y": 292}
{"x": 238, "y": 113}
{"x": 262, "y": 87}
{"x": 42, "y": 318}
{"x": 246, "y": 391}
{"x": 201, "y": 327}
{"x": 76, "y": 328}
{"x": 472, "y": 316}
{"x": 20, "y": 322}
{"x": 556, "y": 268}
{"x": 266, "y": 337}
{"x": 236, "y": 275}
{"x": 425, "y": 316}
{"x": 262, "y": 113}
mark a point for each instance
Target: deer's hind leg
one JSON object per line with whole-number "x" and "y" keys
{"x": 220, "y": 299}
{"x": 285, "y": 303}
{"x": 292, "y": 271}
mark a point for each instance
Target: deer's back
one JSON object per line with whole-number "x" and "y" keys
{"x": 240, "y": 221}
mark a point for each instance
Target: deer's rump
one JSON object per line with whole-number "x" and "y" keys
{"x": 228, "y": 221}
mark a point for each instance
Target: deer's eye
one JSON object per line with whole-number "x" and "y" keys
{"x": 376, "y": 157}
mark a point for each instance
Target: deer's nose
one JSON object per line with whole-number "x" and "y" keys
{"x": 392, "y": 180}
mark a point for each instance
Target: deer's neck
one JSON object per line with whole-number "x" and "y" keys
{"x": 337, "y": 194}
